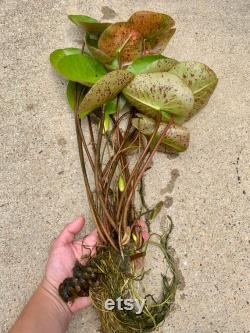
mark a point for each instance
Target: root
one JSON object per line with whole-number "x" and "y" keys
{"x": 117, "y": 277}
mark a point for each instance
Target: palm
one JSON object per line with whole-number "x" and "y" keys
{"x": 65, "y": 251}
{"x": 62, "y": 261}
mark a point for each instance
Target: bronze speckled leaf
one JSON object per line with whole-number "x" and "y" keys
{"x": 177, "y": 137}
{"x": 199, "y": 78}
{"x": 92, "y": 44}
{"x": 115, "y": 36}
{"x": 158, "y": 43}
{"x": 150, "y": 24}
{"x": 165, "y": 93}
{"x": 156, "y": 28}
{"x": 104, "y": 90}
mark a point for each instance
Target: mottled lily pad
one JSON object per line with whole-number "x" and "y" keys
{"x": 91, "y": 40}
{"x": 158, "y": 43}
{"x": 150, "y": 24}
{"x": 80, "y": 68}
{"x": 156, "y": 28}
{"x": 177, "y": 137}
{"x": 88, "y": 23}
{"x": 121, "y": 36}
{"x": 164, "y": 93}
{"x": 92, "y": 44}
{"x": 104, "y": 90}
{"x": 200, "y": 79}
{"x": 151, "y": 64}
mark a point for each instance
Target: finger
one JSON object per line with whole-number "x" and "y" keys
{"x": 91, "y": 238}
{"x": 80, "y": 303}
{"x": 70, "y": 231}
{"x": 89, "y": 242}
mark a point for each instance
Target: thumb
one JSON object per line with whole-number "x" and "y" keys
{"x": 70, "y": 231}
{"x": 80, "y": 303}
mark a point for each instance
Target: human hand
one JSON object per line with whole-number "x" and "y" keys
{"x": 63, "y": 255}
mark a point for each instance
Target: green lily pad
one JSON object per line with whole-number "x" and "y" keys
{"x": 121, "y": 37}
{"x": 200, "y": 79}
{"x": 177, "y": 136}
{"x": 92, "y": 44}
{"x": 165, "y": 93}
{"x": 88, "y": 23}
{"x": 57, "y": 55}
{"x": 75, "y": 91}
{"x": 151, "y": 64}
{"x": 156, "y": 28}
{"x": 104, "y": 90}
{"x": 81, "y": 68}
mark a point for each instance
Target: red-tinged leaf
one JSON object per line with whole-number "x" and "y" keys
{"x": 121, "y": 36}
{"x": 92, "y": 44}
{"x": 156, "y": 28}
{"x": 150, "y": 24}
{"x": 158, "y": 43}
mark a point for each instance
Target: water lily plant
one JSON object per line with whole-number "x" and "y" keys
{"x": 127, "y": 99}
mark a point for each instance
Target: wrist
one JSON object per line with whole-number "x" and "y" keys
{"x": 51, "y": 292}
